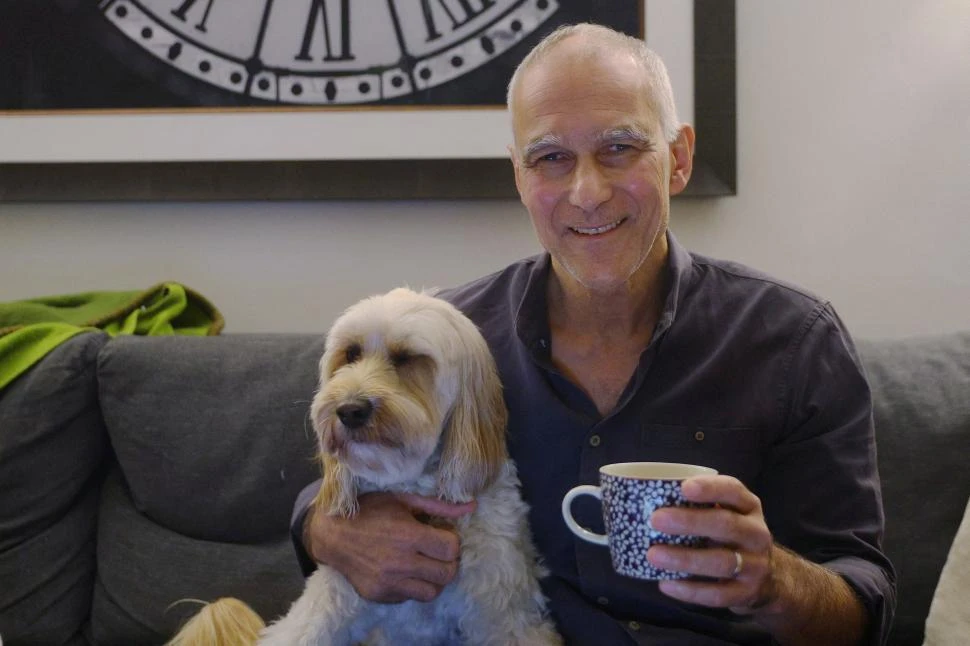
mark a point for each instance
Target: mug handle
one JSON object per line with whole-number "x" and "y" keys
{"x": 567, "y": 513}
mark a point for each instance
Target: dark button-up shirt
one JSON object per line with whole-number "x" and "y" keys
{"x": 748, "y": 375}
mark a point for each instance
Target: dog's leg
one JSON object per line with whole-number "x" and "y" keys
{"x": 515, "y": 613}
{"x": 519, "y": 619}
{"x": 500, "y": 578}
{"x": 322, "y": 616}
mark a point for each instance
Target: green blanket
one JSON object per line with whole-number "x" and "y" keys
{"x": 30, "y": 329}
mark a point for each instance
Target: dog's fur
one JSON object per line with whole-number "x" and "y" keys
{"x": 410, "y": 401}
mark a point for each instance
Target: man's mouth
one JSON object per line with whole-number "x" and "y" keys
{"x": 593, "y": 231}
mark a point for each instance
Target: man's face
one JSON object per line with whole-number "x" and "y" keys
{"x": 591, "y": 164}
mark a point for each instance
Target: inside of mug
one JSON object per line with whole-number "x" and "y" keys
{"x": 655, "y": 470}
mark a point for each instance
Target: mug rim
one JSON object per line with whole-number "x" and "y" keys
{"x": 656, "y": 470}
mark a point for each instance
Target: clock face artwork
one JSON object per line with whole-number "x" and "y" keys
{"x": 326, "y": 52}
{"x": 179, "y": 53}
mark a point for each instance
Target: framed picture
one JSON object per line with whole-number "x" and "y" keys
{"x": 312, "y": 99}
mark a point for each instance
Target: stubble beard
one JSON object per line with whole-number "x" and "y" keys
{"x": 583, "y": 280}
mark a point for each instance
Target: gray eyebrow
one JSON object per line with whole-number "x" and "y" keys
{"x": 625, "y": 132}
{"x": 545, "y": 141}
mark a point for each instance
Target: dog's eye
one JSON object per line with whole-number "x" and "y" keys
{"x": 352, "y": 353}
{"x": 400, "y": 358}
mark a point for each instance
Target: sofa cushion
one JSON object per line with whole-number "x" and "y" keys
{"x": 921, "y": 403}
{"x": 145, "y": 569}
{"x": 212, "y": 434}
{"x": 52, "y": 445}
{"x": 213, "y": 445}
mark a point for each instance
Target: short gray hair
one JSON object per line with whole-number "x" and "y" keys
{"x": 655, "y": 72}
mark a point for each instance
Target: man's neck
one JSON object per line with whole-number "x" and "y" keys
{"x": 618, "y": 312}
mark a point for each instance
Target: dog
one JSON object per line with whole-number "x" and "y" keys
{"x": 409, "y": 400}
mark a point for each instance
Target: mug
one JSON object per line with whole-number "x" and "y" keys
{"x": 629, "y": 493}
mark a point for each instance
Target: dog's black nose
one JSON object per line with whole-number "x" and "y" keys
{"x": 355, "y": 414}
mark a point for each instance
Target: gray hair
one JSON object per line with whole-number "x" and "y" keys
{"x": 655, "y": 72}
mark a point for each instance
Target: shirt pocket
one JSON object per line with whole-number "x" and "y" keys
{"x": 734, "y": 451}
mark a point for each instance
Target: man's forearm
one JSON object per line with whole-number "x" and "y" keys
{"x": 811, "y": 605}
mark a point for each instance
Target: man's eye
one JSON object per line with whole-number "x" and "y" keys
{"x": 352, "y": 353}
{"x": 620, "y": 148}
{"x": 548, "y": 158}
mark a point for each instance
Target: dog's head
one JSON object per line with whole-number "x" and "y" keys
{"x": 407, "y": 385}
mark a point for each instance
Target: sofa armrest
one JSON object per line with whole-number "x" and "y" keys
{"x": 52, "y": 450}
{"x": 921, "y": 404}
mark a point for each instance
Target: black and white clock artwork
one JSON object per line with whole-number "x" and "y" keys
{"x": 122, "y": 61}
{"x": 184, "y": 53}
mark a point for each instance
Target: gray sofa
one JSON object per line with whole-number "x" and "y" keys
{"x": 139, "y": 471}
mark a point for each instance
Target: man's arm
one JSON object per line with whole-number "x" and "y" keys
{"x": 384, "y": 551}
{"x": 818, "y": 492}
{"x": 798, "y": 601}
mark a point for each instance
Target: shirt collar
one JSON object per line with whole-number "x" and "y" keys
{"x": 680, "y": 268}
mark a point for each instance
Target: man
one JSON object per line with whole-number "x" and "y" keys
{"x": 619, "y": 345}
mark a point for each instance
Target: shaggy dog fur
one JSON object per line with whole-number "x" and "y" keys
{"x": 410, "y": 400}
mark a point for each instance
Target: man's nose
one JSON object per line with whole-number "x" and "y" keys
{"x": 590, "y": 186}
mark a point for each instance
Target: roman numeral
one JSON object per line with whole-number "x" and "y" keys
{"x": 319, "y": 12}
{"x": 186, "y": 7}
{"x": 460, "y": 12}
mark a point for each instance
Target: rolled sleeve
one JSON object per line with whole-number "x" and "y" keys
{"x": 874, "y": 589}
{"x": 300, "y": 509}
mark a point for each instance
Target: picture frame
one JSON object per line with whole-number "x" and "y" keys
{"x": 93, "y": 163}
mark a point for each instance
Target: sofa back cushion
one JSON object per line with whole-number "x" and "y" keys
{"x": 213, "y": 444}
{"x": 52, "y": 445}
{"x": 921, "y": 403}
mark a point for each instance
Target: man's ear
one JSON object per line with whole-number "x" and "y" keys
{"x": 681, "y": 159}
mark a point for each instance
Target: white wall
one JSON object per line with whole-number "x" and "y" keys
{"x": 854, "y": 159}
{"x": 854, "y": 147}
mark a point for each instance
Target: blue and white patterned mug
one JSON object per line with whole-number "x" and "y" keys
{"x": 630, "y": 492}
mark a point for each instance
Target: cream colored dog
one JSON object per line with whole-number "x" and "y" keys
{"x": 410, "y": 400}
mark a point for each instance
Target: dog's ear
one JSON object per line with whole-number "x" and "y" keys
{"x": 338, "y": 492}
{"x": 474, "y": 447}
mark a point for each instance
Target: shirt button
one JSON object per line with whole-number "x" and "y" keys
{"x": 594, "y": 441}
{"x": 603, "y": 601}
{"x": 699, "y": 436}
{"x": 634, "y": 625}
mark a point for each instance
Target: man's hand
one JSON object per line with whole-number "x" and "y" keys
{"x": 385, "y": 552}
{"x": 798, "y": 601}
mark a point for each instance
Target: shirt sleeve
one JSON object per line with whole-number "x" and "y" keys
{"x": 300, "y": 509}
{"x": 820, "y": 489}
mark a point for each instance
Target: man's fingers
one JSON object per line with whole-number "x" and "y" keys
{"x": 397, "y": 591}
{"x": 719, "y": 525}
{"x": 438, "y": 573}
{"x": 422, "y": 579}
{"x": 437, "y": 507}
{"x": 418, "y": 590}
{"x": 718, "y": 562}
{"x": 721, "y": 594}
{"x": 725, "y": 491}
{"x": 441, "y": 545}
{"x": 388, "y": 555}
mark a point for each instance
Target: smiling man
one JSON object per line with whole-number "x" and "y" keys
{"x": 595, "y": 170}
{"x": 617, "y": 345}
